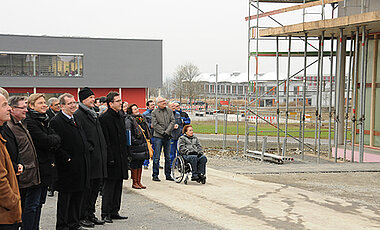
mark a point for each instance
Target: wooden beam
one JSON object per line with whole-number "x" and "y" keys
{"x": 349, "y": 23}
{"x": 292, "y": 8}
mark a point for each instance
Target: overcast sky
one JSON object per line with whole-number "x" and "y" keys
{"x": 204, "y": 32}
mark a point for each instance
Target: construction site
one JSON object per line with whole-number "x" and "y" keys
{"x": 337, "y": 40}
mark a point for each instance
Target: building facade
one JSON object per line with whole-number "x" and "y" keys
{"x": 55, "y": 65}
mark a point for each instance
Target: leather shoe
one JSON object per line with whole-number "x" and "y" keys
{"x": 170, "y": 178}
{"x": 86, "y": 223}
{"x": 80, "y": 228}
{"x": 156, "y": 179}
{"x": 118, "y": 217}
{"x": 107, "y": 219}
{"x": 96, "y": 221}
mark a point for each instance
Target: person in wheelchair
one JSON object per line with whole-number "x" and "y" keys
{"x": 192, "y": 152}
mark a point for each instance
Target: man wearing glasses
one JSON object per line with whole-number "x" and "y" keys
{"x": 163, "y": 125}
{"x": 29, "y": 179}
{"x": 54, "y": 108}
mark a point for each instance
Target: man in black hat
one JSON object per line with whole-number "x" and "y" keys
{"x": 98, "y": 155}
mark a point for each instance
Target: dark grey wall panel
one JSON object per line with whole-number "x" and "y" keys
{"x": 125, "y": 63}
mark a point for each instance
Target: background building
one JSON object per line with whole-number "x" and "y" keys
{"x": 55, "y": 65}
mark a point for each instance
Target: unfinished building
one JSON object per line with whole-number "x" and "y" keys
{"x": 351, "y": 32}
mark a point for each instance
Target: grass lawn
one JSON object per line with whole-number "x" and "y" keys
{"x": 208, "y": 127}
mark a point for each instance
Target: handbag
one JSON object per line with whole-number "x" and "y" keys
{"x": 150, "y": 149}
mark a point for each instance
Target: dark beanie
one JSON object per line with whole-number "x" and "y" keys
{"x": 85, "y": 93}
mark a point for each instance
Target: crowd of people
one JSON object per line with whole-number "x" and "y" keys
{"x": 81, "y": 149}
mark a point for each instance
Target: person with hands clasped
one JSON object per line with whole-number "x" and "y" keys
{"x": 163, "y": 125}
{"x": 192, "y": 151}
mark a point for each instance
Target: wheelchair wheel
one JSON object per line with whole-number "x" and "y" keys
{"x": 178, "y": 169}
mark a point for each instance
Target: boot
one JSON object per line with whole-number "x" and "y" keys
{"x": 135, "y": 184}
{"x": 139, "y": 173}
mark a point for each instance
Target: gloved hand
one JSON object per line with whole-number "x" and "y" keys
{"x": 167, "y": 136}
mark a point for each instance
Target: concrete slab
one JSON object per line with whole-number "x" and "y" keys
{"x": 235, "y": 201}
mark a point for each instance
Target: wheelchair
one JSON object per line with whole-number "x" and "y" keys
{"x": 181, "y": 170}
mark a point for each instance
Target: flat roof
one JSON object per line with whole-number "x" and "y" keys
{"x": 331, "y": 26}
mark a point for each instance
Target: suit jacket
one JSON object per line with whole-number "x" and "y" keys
{"x": 73, "y": 175}
{"x": 96, "y": 142}
{"x": 10, "y": 202}
{"x": 117, "y": 154}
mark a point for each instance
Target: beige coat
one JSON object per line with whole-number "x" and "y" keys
{"x": 10, "y": 203}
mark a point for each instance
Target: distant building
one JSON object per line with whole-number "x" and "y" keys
{"x": 235, "y": 86}
{"x": 55, "y": 65}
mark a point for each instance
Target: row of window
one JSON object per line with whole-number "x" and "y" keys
{"x": 36, "y": 65}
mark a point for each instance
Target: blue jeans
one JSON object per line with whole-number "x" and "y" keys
{"x": 146, "y": 162}
{"x": 173, "y": 150}
{"x": 198, "y": 164}
{"x": 160, "y": 143}
{"x": 42, "y": 201}
{"x": 30, "y": 202}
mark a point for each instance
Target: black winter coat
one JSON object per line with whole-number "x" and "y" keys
{"x": 11, "y": 145}
{"x": 96, "y": 143}
{"x": 46, "y": 141}
{"x": 73, "y": 175}
{"x": 117, "y": 155}
{"x": 135, "y": 139}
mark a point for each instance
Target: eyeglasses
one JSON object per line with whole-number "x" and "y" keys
{"x": 55, "y": 104}
{"x": 72, "y": 103}
{"x": 18, "y": 107}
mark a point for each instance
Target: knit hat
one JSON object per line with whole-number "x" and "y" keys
{"x": 85, "y": 93}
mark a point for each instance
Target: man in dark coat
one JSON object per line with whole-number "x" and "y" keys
{"x": 98, "y": 155}
{"x": 117, "y": 158}
{"x": 72, "y": 166}
{"x": 54, "y": 108}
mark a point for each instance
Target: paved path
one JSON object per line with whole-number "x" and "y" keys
{"x": 234, "y": 201}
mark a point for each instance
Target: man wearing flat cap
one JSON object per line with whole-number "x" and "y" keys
{"x": 98, "y": 155}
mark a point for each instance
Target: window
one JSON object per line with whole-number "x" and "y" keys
{"x": 17, "y": 64}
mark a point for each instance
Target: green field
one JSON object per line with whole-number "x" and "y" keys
{"x": 208, "y": 127}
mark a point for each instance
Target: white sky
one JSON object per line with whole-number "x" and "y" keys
{"x": 204, "y": 32}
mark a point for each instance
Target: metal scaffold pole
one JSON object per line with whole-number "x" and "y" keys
{"x": 304, "y": 100}
{"x": 363, "y": 81}
{"x": 331, "y": 90}
{"x": 320, "y": 96}
{"x": 354, "y": 94}
{"x": 257, "y": 76}
{"x": 337, "y": 93}
{"x": 287, "y": 99}
{"x": 246, "y": 138}
{"x": 317, "y": 98}
{"x": 348, "y": 97}
{"x": 278, "y": 98}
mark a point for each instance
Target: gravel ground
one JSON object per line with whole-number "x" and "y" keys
{"x": 359, "y": 188}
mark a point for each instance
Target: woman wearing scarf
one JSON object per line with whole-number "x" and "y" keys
{"x": 137, "y": 134}
{"x": 46, "y": 141}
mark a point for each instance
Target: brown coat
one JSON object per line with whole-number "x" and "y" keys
{"x": 10, "y": 203}
{"x": 27, "y": 154}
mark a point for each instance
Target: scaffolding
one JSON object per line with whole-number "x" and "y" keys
{"x": 339, "y": 30}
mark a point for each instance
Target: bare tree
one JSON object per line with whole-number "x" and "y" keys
{"x": 185, "y": 81}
